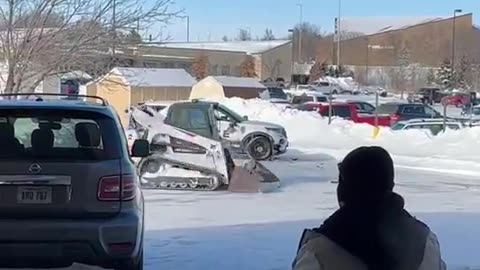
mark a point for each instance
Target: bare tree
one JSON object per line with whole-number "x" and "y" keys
{"x": 268, "y": 35}
{"x": 308, "y": 34}
{"x": 40, "y": 38}
{"x": 243, "y": 35}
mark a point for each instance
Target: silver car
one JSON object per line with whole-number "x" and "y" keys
{"x": 69, "y": 192}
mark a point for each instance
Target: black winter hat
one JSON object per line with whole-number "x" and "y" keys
{"x": 366, "y": 175}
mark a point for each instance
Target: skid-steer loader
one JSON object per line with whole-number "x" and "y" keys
{"x": 187, "y": 153}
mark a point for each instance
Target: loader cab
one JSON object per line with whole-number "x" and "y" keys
{"x": 197, "y": 118}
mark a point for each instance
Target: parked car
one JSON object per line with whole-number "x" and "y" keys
{"x": 69, "y": 191}
{"x": 327, "y": 87}
{"x": 362, "y": 106}
{"x": 474, "y": 110}
{"x": 428, "y": 95}
{"x": 344, "y": 110}
{"x": 458, "y": 100}
{"x": 274, "y": 94}
{"x": 309, "y": 97}
{"x": 406, "y": 111}
{"x": 433, "y": 126}
{"x": 237, "y": 130}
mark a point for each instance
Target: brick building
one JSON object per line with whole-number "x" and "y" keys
{"x": 426, "y": 43}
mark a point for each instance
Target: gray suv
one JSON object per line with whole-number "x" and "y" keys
{"x": 69, "y": 191}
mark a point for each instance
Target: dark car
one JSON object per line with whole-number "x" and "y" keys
{"x": 69, "y": 191}
{"x": 430, "y": 95}
{"x": 362, "y": 106}
{"x": 407, "y": 111}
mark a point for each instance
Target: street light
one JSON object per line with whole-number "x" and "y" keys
{"x": 188, "y": 26}
{"x": 300, "y": 33}
{"x": 454, "y": 37}
{"x": 339, "y": 29}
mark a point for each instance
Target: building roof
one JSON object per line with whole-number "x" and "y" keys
{"x": 240, "y": 82}
{"x": 374, "y": 25}
{"x": 155, "y": 77}
{"x": 250, "y": 47}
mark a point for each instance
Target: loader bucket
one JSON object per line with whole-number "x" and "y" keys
{"x": 252, "y": 177}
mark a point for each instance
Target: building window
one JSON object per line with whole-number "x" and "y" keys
{"x": 148, "y": 64}
{"x": 238, "y": 71}
{"x": 213, "y": 70}
{"x": 226, "y": 70}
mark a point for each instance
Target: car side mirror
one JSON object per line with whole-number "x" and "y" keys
{"x": 232, "y": 124}
{"x": 245, "y": 118}
{"x": 141, "y": 148}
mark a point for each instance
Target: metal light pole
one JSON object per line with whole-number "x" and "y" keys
{"x": 453, "y": 38}
{"x": 188, "y": 26}
{"x": 339, "y": 29}
{"x": 300, "y": 33}
{"x": 330, "y": 112}
{"x": 367, "y": 60}
{"x": 292, "y": 60}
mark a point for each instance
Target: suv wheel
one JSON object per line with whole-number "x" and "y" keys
{"x": 132, "y": 264}
{"x": 260, "y": 148}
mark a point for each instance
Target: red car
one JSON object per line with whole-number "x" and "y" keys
{"x": 346, "y": 111}
{"x": 458, "y": 100}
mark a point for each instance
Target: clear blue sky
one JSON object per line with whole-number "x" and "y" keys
{"x": 212, "y": 19}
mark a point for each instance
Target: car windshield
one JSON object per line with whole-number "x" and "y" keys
{"x": 398, "y": 126}
{"x": 235, "y": 116}
{"x": 387, "y": 109}
{"x": 277, "y": 93}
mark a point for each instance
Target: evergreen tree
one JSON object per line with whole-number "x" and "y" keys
{"x": 225, "y": 38}
{"x": 461, "y": 81}
{"x": 445, "y": 75}
{"x": 431, "y": 76}
{"x": 324, "y": 68}
{"x": 331, "y": 71}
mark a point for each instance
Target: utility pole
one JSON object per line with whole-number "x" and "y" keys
{"x": 339, "y": 29}
{"x": 188, "y": 26}
{"x": 367, "y": 60}
{"x": 188, "y": 29}
{"x": 300, "y": 30}
{"x": 453, "y": 39}
{"x": 114, "y": 27}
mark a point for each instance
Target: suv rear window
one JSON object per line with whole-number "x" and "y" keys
{"x": 387, "y": 109}
{"x": 61, "y": 135}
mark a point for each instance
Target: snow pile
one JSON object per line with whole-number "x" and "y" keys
{"x": 347, "y": 83}
{"x": 308, "y": 130}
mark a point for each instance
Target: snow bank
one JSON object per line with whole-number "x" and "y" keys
{"x": 309, "y": 131}
{"x": 347, "y": 83}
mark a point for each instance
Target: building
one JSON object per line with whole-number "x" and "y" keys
{"x": 225, "y": 86}
{"x": 126, "y": 87}
{"x": 426, "y": 41}
{"x": 378, "y": 43}
{"x": 272, "y": 58}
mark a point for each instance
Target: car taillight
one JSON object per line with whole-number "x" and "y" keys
{"x": 117, "y": 188}
{"x": 394, "y": 117}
